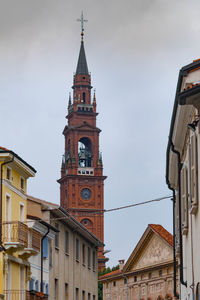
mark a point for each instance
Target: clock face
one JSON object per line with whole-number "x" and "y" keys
{"x": 86, "y": 193}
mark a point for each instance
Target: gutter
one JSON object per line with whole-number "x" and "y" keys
{"x": 180, "y": 209}
{"x": 1, "y": 201}
{"x": 174, "y": 239}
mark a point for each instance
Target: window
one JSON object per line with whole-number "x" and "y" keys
{"x": 37, "y": 286}
{"x": 150, "y": 275}
{"x": 8, "y": 173}
{"x": 135, "y": 278}
{"x": 57, "y": 236}
{"x": 22, "y": 183}
{"x": 45, "y": 247}
{"x": 193, "y": 174}
{"x": 89, "y": 257}
{"x": 83, "y": 254}
{"x": 83, "y": 295}
{"x": 88, "y": 296}
{"x": 125, "y": 280}
{"x": 66, "y": 292}
{"x": 66, "y": 242}
{"x": 47, "y": 289}
{"x": 184, "y": 196}
{"x": 31, "y": 284}
{"x": 21, "y": 212}
{"x": 77, "y": 249}
{"x": 114, "y": 283}
{"x": 93, "y": 260}
{"x": 56, "y": 289}
{"x": 160, "y": 273}
{"x": 77, "y": 294}
{"x": 93, "y": 297}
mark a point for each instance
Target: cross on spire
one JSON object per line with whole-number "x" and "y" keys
{"x": 82, "y": 20}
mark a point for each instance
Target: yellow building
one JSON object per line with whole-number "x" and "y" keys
{"x": 17, "y": 241}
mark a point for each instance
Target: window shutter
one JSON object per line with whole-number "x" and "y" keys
{"x": 194, "y": 175}
{"x": 177, "y": 244}
{"x": 184, "y": 198}
{"x": 45, "y": 247}
{"x": 31, "y": 287}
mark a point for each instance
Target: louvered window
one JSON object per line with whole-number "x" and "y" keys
{"x": 184, "y": 199}
{"x": 193, "y": 175}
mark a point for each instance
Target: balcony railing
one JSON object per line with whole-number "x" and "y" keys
{"x": 33, "y": 295}
{"x": 24, "y": 295}
{"x": 15, "y": 234}
{"x": 15, "y": 295}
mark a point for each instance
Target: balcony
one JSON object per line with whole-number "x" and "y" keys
{"x": 33, "y": 247}
{"x": 33, "y": 295}
{"x": 15, "y": 235}
{"x": 24, "y": 295}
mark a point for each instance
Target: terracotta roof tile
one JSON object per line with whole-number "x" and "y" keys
{"x": 166, "y": 235}
{"x": 191, "y": 86}
{"x": 113, "y": 273}
{"x": 4, "y": 149}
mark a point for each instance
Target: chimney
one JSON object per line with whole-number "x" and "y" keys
{"x": 121, "y": 264}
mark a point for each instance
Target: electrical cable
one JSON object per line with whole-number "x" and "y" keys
{"x": 98, "y": 213}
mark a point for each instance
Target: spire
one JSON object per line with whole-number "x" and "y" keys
{"x": 82, "y": 67}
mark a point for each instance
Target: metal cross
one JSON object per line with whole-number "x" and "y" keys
{"x": 82, "y": 20}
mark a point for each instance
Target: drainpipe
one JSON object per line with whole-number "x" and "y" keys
{"x": 1, "y": 202}
{"x": 41, "y": 283}
{"x": 126, "y": 285}
{"x": 180, "y": 219}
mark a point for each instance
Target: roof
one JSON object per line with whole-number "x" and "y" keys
{"x": 157, "y": 229}
{"x": 5, "y": 150}
{"x": 82, "y": 67}
{"x": 68, "y": 219}
{"x": 166, "y": 235}
{"x": 182, "y": 73}
{"x": 113, "y": 273}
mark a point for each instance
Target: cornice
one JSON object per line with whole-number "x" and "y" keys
{"x": 14, "y": 189}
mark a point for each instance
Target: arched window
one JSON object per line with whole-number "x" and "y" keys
{"x": 85, "y": 152}
{"x": 198, "y": 291}
{"x": 83, "y": 97}
{"x": 87, "y": 223}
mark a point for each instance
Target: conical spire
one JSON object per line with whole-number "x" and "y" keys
{"x": 82, "y": 67}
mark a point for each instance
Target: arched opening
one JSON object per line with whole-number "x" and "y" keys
{"x": 84, "y": 152}
{"x": 198, "y": 291}
{"x": 88, "y": 224}
{"x": 83, "y": 97}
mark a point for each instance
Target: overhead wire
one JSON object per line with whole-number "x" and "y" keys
{"x": 97, "y": 213}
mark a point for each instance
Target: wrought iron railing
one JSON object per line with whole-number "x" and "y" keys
{"x": 15, "y": 233}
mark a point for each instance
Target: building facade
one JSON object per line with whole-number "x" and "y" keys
{"x": 70, "y": 267}
{"x": 40, "y": 264}
{"x": 182, "y": 174}
{"x": 16, "y": 243}
{"x": 148, "y": 273}
{"x": 82, "y": 179}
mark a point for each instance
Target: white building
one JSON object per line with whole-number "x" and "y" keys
{"x": 182, "y": 175}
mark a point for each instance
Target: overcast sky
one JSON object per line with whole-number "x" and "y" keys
{"x": 134, "y": 50}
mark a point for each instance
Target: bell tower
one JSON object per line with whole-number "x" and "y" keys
{"x": 82, "y": 179}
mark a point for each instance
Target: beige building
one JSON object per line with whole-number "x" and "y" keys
{"x": 72, "y": 254}
{"x": 148, "y": 273}
{"x": 182, "y": 174}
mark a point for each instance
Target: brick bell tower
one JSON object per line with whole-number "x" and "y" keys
{"x": 82, "y": 180}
